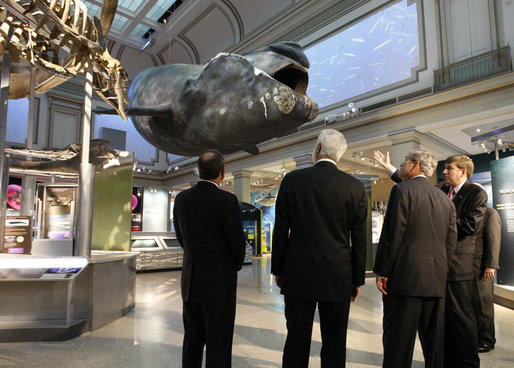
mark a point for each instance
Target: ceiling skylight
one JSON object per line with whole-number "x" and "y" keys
{"x": 160, "y": 7}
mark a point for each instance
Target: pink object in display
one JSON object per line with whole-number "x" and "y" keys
{"x": 15, "y": 250}
{"x": 134, "y": 202}
{"x": 13, "y": 196}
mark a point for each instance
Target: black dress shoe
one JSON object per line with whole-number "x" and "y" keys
{"x": 484, "y": 348}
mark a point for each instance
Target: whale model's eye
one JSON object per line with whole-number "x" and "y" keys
{"x": 295, "y": 79}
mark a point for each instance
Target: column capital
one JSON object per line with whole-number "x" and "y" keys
{"x": 405, "y": 136}
{"x": 242, "y": 183}
{"x": 242, "y": 174}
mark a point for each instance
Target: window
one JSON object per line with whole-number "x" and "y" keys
{"x": 143, "y": 151}
{"x": 378, "y": 51}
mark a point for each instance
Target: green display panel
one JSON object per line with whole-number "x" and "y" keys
{"x": 113, "y": 206}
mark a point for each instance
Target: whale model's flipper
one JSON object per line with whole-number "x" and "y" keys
{"x": 161, "y": 111}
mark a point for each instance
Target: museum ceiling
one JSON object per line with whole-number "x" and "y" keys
{"x": 150, "y": 33}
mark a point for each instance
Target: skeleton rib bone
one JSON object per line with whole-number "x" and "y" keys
{"x": 44, "y": 30}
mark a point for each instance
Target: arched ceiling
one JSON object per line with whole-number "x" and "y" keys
{"x": 156, "y": 32}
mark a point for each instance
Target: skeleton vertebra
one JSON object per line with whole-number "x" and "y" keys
{"x": 41, "y": 31}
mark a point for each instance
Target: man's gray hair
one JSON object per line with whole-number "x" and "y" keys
{"x": 333, "y": 144}
{"x": 427, "y": 161}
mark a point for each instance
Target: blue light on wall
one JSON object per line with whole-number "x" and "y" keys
{"x": 378, "y": 51}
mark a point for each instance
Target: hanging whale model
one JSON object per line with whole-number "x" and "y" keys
{"x": 232, "y": 103}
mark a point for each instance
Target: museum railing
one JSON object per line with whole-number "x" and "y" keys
{"x": 478, "y": 67}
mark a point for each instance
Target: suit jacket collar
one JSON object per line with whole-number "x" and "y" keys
{"x": 207, "y": 184}
{"x": 419, "y": 176}
{"x": 325, "y": 164}
{"x": 462, "y": 191}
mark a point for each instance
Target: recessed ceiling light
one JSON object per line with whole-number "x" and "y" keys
{"x": 478, "y": 130}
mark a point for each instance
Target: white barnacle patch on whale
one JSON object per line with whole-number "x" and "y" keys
{"x": 265, "y": 108}
{"x": 219, "y": 55}
{"x": 250, "y": 105}
{"x": 222, "y": 112}
{"x": 258, "y": 72}
{"x": 268, "y": 96}
{"x": 285, "y": 100}
{"x": 313, "y": 106}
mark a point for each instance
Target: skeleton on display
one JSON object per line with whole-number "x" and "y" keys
{"x": 60, "y": 161}
{"x": 59, "y": 40}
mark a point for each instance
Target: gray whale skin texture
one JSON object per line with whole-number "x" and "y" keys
{"x": 231, "y": 103}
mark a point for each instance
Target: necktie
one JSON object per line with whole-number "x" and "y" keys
{"x": 450, "y": 195}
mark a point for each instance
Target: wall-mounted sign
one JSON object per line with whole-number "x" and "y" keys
{"x": 502, "y": 172}
{"x": 17, "y": 235}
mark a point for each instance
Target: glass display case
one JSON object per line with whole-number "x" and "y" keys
{"x": 156, "y": 252}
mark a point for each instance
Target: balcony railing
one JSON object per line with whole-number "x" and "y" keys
{"x": 478, "y": 67}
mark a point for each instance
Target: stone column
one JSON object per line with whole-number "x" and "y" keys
{"x": 84, "y": 209}
{"x": 403, "y": 142}
{"x": 242, "y": 182}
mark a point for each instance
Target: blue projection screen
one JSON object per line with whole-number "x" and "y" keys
{"x": 378, "y": 51}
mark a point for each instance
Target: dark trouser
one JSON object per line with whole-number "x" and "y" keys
{"x": 484, "y": 306}
{"x": 403, "y": 317}
{"x": 333, "y": 322}
{"x": 461, "y": 337}
{"x": 210, "y": 325}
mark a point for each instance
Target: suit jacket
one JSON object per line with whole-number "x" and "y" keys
{"x": 418, "y": 240}
{"x": 320, "y": 210}
{"x": 470, "y": 203}
{"x": 208, "y": 226}
{"x": 488, "y": 240}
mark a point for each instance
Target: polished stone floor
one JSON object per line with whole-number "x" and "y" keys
{"x": 151, "y": 334}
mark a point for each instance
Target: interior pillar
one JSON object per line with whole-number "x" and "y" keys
{"x": 242, "y": 183}
{"x": 403, "y": 142}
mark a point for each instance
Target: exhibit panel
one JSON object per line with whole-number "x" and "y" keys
{"x": 502, "y": 172}
{"x": 113, "y": 204}
{"x": 48, "y": 297}
{"x": 58, "y": 298}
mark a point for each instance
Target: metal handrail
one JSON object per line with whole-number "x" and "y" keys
{"x": 475, "y": 68}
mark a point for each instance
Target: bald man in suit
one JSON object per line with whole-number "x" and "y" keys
{"x": 208, "y": 226}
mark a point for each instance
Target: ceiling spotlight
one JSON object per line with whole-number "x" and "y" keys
{"x": 478, "y": 130}
{"x": 499, "y": 141}
{"x": 361, "y": 155}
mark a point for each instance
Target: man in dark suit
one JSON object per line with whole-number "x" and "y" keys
{"x": 208, "y": 226}
{"x": 416, "y": 246}
{"x": 461, "y": 344}
{"x": 485, "y": 264}
{"x": 318, "y": 211}
{"x": 461, "y": 335}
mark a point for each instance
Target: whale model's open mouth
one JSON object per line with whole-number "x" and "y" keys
{"x": 284, "y": 62}
{"x": 294, "y": 78}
